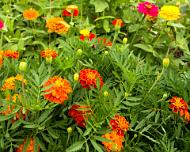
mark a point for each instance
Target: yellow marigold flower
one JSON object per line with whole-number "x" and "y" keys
{"x": 20, "y": 78}
{"x": 170, "y": 12}
{"x": 115, "y": 143}
{"x": 30, "y": 14}
{"x": 85, "y": 32}
{"x": 57, "y": 25}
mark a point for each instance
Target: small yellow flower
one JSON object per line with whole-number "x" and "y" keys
{"x": 170, "y": 12}
{"x": 166, "y": 62}
{"x": 76, "y": 76}
{"x": 85, "y": 32}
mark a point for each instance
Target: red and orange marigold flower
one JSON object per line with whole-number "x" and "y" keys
{"x": 11, "y": 54}
{"x": 115, "y": 144}
{"x": 80, "y": 114}
{"x": 30, "y": 147}
{"x": 148, "y": 8}
{"x": 119, "y": 124}
{"x": 104, "y": 41}
{"x": 177, "y": 104}
{"x": 57, "y": 25}
{"x": 30, "y": 14}
{"x": 118, "y": 22}
{"x": 48, "y": 53}
{"x": 86, "y": 34}
{"x": 59, "y": 90}
{"x": 71, "y": 9}
{"x": 88, "y": 78}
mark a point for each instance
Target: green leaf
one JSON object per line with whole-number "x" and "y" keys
{"x": 16, "y": 124}
{"x": 3, "y": 118}
{"x": 100, "y": 5}
{"x": 96, "y": 146}
{"x": 44, "y": 115}
{"x": 101, "y": 139}
{"x": 145, "y": 47}
{"x": 130, "y": 103}
{"x": 53, "y": 133}
{"x": 75, "y": 147}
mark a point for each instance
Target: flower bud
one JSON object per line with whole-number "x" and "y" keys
{"x": 76, "y": 76}
{"x": 106, "y": 53}
{"x": 165, "y": 95}
{"x": 125, "y": 40}
{"x": 166, "y": 62}
{"x": 22, "y": 66}
{"x": 106, "y": 94}
{"x": 49, "y": 59}
{"x": 79, "y": 52}
{"x": 69, "y": 130}
{"x": 126, "y": 94}
{"x": 135, "y": 135}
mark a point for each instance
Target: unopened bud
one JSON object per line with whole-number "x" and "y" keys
{"x": 165, "y": 95}
{"x": 49, "y": 59}
{"x": 166, "y": 62}
{"x": 22, "y": 66}
{"x": 79, "y": 52}
{"x": 126, "y": 94}
{"x": 69, "y": 130}
{"x": 106, "y": 94}
{"x": 106, "y": 53}
{"x": 76, "y": 76}
{"x": 135, "y": 135}
{"x": 125, "y": 40}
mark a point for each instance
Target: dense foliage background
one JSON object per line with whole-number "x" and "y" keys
{"x": 136, "y": 83}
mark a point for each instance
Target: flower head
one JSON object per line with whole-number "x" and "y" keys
{"x": 86, "y": 34}
{"x": 88, "y": 78}
{"x": 30, "y": 14}
{"x": 57, "y": 25}
{"x": 48, "y": 53}
{"x": 1, "y": 58}
{"x": 177, "y": 104}
{"x": 58, "y": 91}
{"x": 115, "y": 143}
{"x": 119, "y": 124}
{"x": 170, "y": 12}
{"x": 11, "y": 54}
{"x": 80, "y": 114}
{"x": 118, "y": 22}
{"x": 1, "y": 24}
{"x": 30, "y": 147}
{"x": 71, "y": 9}
{"x": 148, "y": 8}
{"x": 104, "y": 41}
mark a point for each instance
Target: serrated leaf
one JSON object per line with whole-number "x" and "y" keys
{"x": 145, "y": 47}
{"x": 96, "y": 146}
{"x": 75, "y": 146}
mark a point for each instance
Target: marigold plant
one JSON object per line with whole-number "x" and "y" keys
{"x": 30, "y": 14}
{"x": 11, "y": 54}
{"x": 71, "y": 9}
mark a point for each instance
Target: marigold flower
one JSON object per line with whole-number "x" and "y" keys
{"x": 88, "y": 78}
{"x": 71, "y": 9}
{"x": 115, "y": 143}
{"x": 1, "y": 24}
{"x": 119, "y": 124}
{"x": 30, "y": 14}
{"x": 30, "y": 147}
{"x": 57, "y": 25}
{"x": 1, "y": 58}
{"x": 48, "y": 53}
{"x": 148, "y": 8}
{"x": 10, "y": 82}
{"x": 80, "y": 114}
{"x": 170, "y": 12}
{"x": 59, "y": 90}
{"x": 86, "y": 34}
{"x": 177, "y": 104}
{"x": 11, "y": 54}
{"x": 118, "y": 22}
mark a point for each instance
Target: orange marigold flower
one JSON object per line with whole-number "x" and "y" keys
{"x": 59, "y": 90}
{"x": 119, "y": 124}
{"x": 48, "y": 53}
{"x": 118, "y": 22}
{"x": 88, "y": 78}
{"x": 30, "y": 14}
{"x": 11, "y": 54}
{"x": 10, "y": 82}
{"x": 104, "y": 41}
{"x": 115, "y": 143}
{"x": 80, "y": 114}
{"x": 30, "y": 147}
{"x": 57, "y": 25}
{"x": 177, "y": 104}
{"x": 71, "y": 9}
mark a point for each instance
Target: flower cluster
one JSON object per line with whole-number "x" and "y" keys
{"x": 57, "y": 90}
{"x": 88, "y": 78}
{"x": 80, "y": 114}
{"x": 10, "y": 82}
{"x": 57, "y": 25}
{"x": 177, "y": 104}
